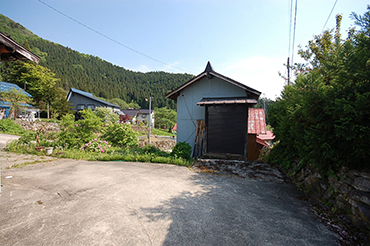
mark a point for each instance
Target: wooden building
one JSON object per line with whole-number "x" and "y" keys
{"x": 212, "y": 113}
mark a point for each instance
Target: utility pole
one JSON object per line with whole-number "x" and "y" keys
{"x": 150, "y": 118}
{"x": 288, "y": 67}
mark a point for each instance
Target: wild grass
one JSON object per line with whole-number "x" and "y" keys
{"x": 148, "y": 154}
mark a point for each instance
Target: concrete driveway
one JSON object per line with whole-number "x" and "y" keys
{"x": 6, "y": 138}
{"x": 68, "y": 202}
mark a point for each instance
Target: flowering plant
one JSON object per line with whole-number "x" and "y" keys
{"x": 96, "y": 146}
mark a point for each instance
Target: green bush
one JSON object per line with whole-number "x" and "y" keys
{"x": 323, "y": 117}
{"x": 75, "y": 134}
{"x": 150, "y": 149}
{"x": 182, "y": 150}
{"x": 96, "y": 145}
{"x": 120, "y": 135}
{"x": 10, "y": 127}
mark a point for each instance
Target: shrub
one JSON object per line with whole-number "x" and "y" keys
{"x": 10, "y": 127}
{"x": 96, "y": 145}
{"x": 150, "y": 149}
{"x": 77, "y": 133}
{"x": 120, "y": 135}
{"x": 182, "y": 150}
{"x": 323, "y": 117}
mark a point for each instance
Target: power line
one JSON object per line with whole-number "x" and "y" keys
{"x": 295, "y": 24}
{"x": 329, "y": 15}
{"x": 290, "y": 26}
{"x": 111, "y": 39}
{"x": 291, "y": 39}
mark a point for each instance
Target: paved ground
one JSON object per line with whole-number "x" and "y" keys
{"x": 68, "y": 202}
{"x": 6, "y": 138}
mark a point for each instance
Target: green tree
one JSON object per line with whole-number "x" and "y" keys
{"x": 59, "y": 105}
{"x": 133, "y": 105}
{"x": 16, "y": 99}
{"x": 165, "y": 118}
{"x": 106, "y": 115}
{"x": 322, "y": 118}
{"x": 40, "y": 82}
{"x": 120, "y": 102}
{"x": 76, "y": 134}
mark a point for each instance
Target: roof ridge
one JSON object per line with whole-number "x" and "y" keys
{"x": 209, "y": 67}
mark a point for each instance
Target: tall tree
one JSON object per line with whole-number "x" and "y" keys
{"x": 41, "y": 82}
{"x": 165, "y": 118}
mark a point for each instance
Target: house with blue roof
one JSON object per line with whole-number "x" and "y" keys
{"x": 5, "y": 106}
{"x": 82, "y": 99}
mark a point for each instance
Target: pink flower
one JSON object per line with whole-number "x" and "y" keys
{"x": 89, "y": 143}
{"x": 86, "y": 144}
{"x": 95, "y": 139}
{"x": 102, "y": 151}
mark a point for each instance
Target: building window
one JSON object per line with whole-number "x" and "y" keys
{"x": 91, "y": 106}
{"x": 80, "y": 107}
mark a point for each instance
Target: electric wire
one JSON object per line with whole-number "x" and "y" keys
{"x": 109, "y": 38}
{"x": 290, "y": 26}
{"x": 295, "y": 24}
{"x": 326, "y": 22}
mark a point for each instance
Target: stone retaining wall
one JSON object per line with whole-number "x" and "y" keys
{"x": 37, "y": 125}
{"x": 347, "y": 190}
{"x": 165, "y": 145}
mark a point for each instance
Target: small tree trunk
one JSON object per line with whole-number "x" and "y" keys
{"x": 47, "y": 109}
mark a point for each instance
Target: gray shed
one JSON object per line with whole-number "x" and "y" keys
{"x": 212, "y": 113}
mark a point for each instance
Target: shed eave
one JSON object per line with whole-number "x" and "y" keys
{"x": 18, "y": 52}
{"x": 226, "y": 101}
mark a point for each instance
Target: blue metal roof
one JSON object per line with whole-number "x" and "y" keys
{"x": 82, "y": 92}
{"x": 91, "y": 96}
{"x": 5, "y": 87}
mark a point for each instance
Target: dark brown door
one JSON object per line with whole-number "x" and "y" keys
{"x": 227, "y": 129}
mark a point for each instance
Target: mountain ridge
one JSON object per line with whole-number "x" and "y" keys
{"x": 95, "y": 75}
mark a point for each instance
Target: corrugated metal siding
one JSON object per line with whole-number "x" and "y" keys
{"x": 256, "y": 121}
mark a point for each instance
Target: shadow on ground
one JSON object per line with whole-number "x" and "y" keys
{"x": 267, "y": 213}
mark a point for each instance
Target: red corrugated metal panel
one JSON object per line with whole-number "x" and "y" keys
{"x": 256, "y": 121}
{"x": 268, "y": 136}
{"x": 261, "y": 142}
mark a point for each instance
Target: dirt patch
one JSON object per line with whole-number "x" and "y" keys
{"x": 11, "y": 160}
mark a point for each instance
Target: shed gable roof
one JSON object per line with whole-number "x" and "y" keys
{"x": 209, "y": 72}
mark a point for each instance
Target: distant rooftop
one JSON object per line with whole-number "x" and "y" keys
{"x": 5, "y": 87}
{"x": 91, "y": 96}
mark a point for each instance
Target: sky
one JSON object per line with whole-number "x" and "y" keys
{"x": 246, "y": 40}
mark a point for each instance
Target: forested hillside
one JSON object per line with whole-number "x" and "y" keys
{"x": 92, "y": 74}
